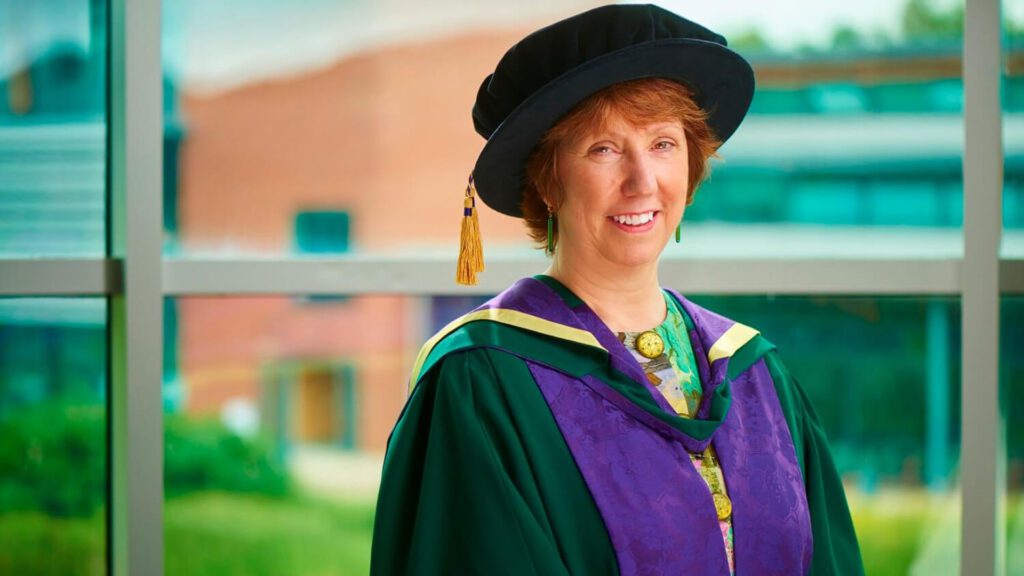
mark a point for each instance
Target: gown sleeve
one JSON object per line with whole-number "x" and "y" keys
{"x": 836, "y": 551}
{"x": 469, "y": 483}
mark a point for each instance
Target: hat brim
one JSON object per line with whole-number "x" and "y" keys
{"x": 722, "y": 79}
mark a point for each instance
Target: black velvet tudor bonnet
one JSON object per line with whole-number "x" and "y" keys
{"x": 543, "y": 76}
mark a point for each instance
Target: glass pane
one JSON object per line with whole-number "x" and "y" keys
{"x": 1013, "y": 126}
{"x": 53, "y": 76}
{"x": 898, "y": 458}
{"x": 278, "y": 412}
{"x": 1012, "y": 307}
{"x": 1012, "y": 379}
{"x": 53, "y": 450}
{"x": 272, "y": 128}
{"x": 855, "y": 119}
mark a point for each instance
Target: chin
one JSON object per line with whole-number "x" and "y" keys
{"x": 636, "y": 255}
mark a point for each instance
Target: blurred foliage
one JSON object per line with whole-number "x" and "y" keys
{"x": 202, "y": 454}
{"x": 923, "y": 21}
{"x": 749, "y": 41}
{"x": 53, "y": 460}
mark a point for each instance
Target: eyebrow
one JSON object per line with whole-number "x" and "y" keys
{"x": 652, "y": 128}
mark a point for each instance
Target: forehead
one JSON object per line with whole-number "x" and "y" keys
{"x": 612, "y": 122}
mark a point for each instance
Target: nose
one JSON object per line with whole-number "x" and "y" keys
{"x": 640, "y": 177}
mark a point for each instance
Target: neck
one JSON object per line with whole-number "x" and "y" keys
{"x": 627, "y": 299}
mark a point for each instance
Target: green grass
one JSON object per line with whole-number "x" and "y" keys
{"x": 890, "y": 530}
{"x": 213, "y": 533}
{"x": 37, "y": 544}
{"x": 205, "y": 534}
{"x": 227, "y": 535}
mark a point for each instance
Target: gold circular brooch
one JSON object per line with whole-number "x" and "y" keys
{"x": 649, "y": 344}
{"x": 723, "y": 505}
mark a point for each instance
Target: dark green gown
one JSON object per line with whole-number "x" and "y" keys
{"x": 478, "y": 478}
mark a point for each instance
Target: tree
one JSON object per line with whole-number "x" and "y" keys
{"x": 846, "y": 38}
{"x": 923, "y": 22}
{"x": 749, "y": 41}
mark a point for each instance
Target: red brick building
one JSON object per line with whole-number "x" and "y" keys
{"x": 384, "y": 136}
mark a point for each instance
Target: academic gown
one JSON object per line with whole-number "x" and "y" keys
{"x": 533, "y": 443}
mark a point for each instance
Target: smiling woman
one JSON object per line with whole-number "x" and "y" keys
{"x": 623, "y": 192}
{"x": 648, "y": 100}
{"x": 586, "y": 420}
{"x": 615, "y": 176}
{"x": 624, "y": 187}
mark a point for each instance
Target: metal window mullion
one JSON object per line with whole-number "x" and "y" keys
{"x": 981, "y": 444}
{"x": 136, "y": 312}
{"x": 425, "y": 276}
{"x": 59, "y": 276}
{"x": 925, "y": 276}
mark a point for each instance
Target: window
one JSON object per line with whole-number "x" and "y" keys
{"x": 53, "y": 420}
{"x": 53, "y": 130}
{"x": 308, "y": 236}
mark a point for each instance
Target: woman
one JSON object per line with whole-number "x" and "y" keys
{"x": 586, "y": 421}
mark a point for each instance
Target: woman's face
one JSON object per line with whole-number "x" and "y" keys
{"x": 624, "y": 192}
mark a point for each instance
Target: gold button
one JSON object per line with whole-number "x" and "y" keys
{"x": 723, "y": 506}
{"x": 649, "y": 344}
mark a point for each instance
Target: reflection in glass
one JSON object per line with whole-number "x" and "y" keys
{"x": 1011, "y": 370}
{"x": 277, "y": 417}
{"x": 52, "y": 128}
{"x": 1011, "y": 374}
{"x": 278, "y": 412}
{"x": 1013, "y": 106}
{"x": 883, "y": 376}
{"x": 855, "y": 124}
{"x": 53, "y": 454}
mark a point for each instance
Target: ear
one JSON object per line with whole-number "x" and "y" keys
{"x": 552, "y": 204}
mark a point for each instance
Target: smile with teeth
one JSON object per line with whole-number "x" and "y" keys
{"x": 638, "y": 219}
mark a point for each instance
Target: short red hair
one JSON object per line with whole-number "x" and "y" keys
{"x": 639, "y": 102}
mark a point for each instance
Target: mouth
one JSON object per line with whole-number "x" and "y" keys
{"x": 635, "y": 221}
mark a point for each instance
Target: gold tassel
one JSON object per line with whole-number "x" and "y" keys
{"x": 471, "y": 252}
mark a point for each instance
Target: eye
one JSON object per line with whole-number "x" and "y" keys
{"x": 603, "y": 153}
{"x": 664, "y": 145}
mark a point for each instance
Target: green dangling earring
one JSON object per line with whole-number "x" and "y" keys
{"x": 551, "y": 231}
{"x": 678, "y": 226}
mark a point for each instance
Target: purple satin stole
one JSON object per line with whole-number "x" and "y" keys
{"x": 657, "y": 509}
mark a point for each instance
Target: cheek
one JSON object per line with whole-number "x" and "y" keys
{"x": 588, "y": 199}
{"x": 590, "y": 184}
{"x": 675, "y": 185}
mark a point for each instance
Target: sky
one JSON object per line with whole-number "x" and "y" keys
{"x": 787, "y": 23}
{"x": 259, "y": 38}
{"x": 212, "y": 45}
